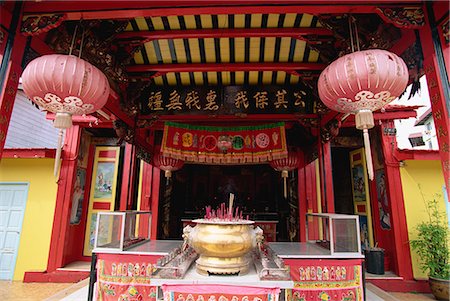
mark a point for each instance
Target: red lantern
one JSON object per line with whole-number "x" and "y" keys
{"x": 167, "y": 164}
{"x": 286, "y": 165}
{"x": 360, "y": 83}
{"x": 65, "y": 85}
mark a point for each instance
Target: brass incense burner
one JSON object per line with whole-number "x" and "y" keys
{"x": 223, "y": 246}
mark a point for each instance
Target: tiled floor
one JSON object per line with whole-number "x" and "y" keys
{"x": 19, "y": 291}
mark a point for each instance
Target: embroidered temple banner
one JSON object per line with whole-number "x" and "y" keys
{"x": 210, "y": 144}
{"x": 125, "y": 277}
{"x": 324, "y": 280}
{"x": 216, "y": 292}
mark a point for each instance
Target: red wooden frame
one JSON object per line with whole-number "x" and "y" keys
{"x": 291, "y": 68}
{"x": 296, "y": 33}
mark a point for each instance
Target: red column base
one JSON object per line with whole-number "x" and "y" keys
{"x": 402, "y": 286}
{"x": 56, "y": 276}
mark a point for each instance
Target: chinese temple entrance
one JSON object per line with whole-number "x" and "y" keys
{"x": 257, "y": 189}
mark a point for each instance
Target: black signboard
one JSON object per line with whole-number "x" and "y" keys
{"x": 227, "y": 100}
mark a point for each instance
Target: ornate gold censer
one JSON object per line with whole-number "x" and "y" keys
{"x": 223, "y": 245}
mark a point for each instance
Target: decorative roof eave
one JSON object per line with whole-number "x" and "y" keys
{"x": 29, "y": 153}
{"x": 416, "y": 154}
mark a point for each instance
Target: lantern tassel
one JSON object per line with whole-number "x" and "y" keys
{"x": 368, "y": 153}
{"x": 284, "y": 175}
{"x": 58, "y": 152}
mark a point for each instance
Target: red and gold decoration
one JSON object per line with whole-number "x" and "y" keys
{"x": 167, "y": 164}
{"x": 65, "y": 85}
{"x": 360, "y": 83}
{"x": 205, "y": 292}
{"x": 326, "y": 280}
{"x": 125, "y": 277}
{"x": 35, "y": 25}
{"x": 286, "y": 165}
{"x": 224, "y": 145}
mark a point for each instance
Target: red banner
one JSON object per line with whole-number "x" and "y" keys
{"x": 210, "y": 144}
{"x": 324, "y": 280}
{"x": 125, "y": 277}
{"x": 215, "y": 292}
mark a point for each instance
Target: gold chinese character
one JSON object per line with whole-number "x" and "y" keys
{"x": 299, "y": 99}
{"x": 435, "y": 98}
{"x": 442, "y": 132}
{"x": 438, "y": 115}
{"x": 211, "y": 101}
{"x": 432, "y": 83}
{"x": 155, "y": 101}
{"x": 192, "y": 100}
{"x": 10, "y": 90}
{"x": 174, "y": 101}
{"x": 445, "y": 147}
{"x": 280, "y": 99}
{"x": 261, "y": 100}
{"x": 14, "y": 77}
{"x": 241, "y": 99}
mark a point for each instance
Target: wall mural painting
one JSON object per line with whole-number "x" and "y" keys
{"x": 104, "y": 180}
{"x": 78, "y": 197}
{"x": 359, "y": 190}
{"x": 382, "y": 200}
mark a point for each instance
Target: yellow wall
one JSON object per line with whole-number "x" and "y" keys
{"x": 40, "y": 207}
{"x": 428, "y": 176}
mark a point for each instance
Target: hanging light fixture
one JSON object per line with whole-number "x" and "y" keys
{"x": 286, "y": 165}
{"x": 362, "y": 82}
{"x": 66, "y": 85}
{"x": 167, "y": 164}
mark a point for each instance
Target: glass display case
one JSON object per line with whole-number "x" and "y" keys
{"x": 121, "y": 230}
{"x": 337, "y": 233}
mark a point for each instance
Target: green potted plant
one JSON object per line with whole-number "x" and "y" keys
{"x": 432, "y": 246}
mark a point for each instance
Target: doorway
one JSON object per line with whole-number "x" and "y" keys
{"x": 13, "y": 199}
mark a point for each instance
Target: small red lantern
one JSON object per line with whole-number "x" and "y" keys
{"x": 65, "y": 85}
{"x": 286, "y": 165}
{"x": 167, "y": 164}
{"x": 360, "y": 83}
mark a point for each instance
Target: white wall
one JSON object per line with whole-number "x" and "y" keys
{"x": 406, "y": 126}
{"x": 28, "y": 127}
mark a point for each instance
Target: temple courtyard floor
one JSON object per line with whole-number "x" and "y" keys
{"x": 19, "y": 291}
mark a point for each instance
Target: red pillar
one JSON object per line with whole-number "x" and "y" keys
{"x": 146, "y": 189}
{"x": 12, "y": 47}
{"x": 438, "y": 82}
{"x": 128, "y": 178}
{"x": 402, "y": 264}
{"x": 303, "y": 182}
{"x": 66, "y": 183}
{"x": 155, "y": 201}
{"x": 326, "y": 177}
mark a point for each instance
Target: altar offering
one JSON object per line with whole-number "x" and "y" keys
{"x": 224, "y": 240}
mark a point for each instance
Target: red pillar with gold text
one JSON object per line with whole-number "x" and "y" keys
{"x": 66, "y": 184}
{"x": 436, "y": 58}
{"x": 12, "y": 46}
{"x": 402, "y": 260}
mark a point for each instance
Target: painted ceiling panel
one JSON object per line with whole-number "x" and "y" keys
{"x": 224, "y": 49}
